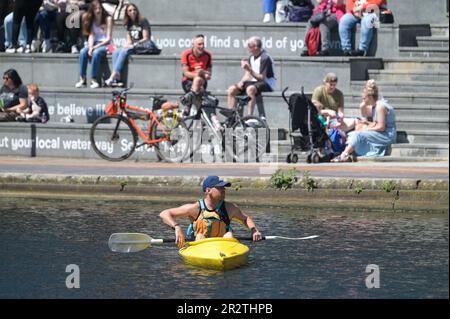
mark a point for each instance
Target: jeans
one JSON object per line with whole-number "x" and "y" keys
{"x": 269, "y": 6}
{"x": 119, "y": 57}
{"x": 348, "y": 21}
{"x": 325, "y": 27}
{"x": 97, "y": 56}
{"x": 45, "y": 19}
{"x": 8, "y": 23}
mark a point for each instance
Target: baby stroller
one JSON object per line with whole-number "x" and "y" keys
{"x": 306, "y": 132}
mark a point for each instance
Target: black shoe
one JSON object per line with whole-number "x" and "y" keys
{"x": 323, "y": 53}
{"x": 347, "y": 53}
{"x": 358, "y": 53}
{"x": 304, "y": 53}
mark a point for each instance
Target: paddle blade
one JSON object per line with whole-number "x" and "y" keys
{"x": 129, "y": 242}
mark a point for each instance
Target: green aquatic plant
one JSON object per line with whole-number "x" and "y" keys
{"x": 122, "y": 184}
{"x": 358, "y": 190}
{"x": 308, "y": 183}
{"x": 283, "y": 180}
{"x": 388, "y": 186}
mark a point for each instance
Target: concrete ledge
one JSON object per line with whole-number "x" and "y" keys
{"x": 7, "y": 181}
{"x": 431, "y": 197}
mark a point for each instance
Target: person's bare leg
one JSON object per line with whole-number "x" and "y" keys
{"x": 232, "y": 92}
{"x": 251, "y": 92}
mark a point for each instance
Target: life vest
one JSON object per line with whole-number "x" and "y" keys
{"x": 209, "y": 223}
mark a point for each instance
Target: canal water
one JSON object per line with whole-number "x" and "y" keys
{"x": 41, "y": 237}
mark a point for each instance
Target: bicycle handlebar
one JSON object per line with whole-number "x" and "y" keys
{"x": 121, "y": 93}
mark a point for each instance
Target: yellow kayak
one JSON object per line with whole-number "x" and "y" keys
{"x": 215, "y": 253}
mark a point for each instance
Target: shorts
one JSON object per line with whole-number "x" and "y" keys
{"x": 187, "y": 85}
{"x": 261, "y": 86}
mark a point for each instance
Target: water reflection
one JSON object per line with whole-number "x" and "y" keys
{"x": 40, "y": 237}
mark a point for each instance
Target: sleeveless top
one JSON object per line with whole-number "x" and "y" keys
{"x": 99, "y": 33}
{"x": 209, "y": 223}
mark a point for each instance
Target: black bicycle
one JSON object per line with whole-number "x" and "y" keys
{"x": 238, "y": 139}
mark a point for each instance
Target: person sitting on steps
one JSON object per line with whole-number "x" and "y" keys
{"x": 138, "y": 31}
{"x": 259, "y": 75}
{"x": 97, "y": 24}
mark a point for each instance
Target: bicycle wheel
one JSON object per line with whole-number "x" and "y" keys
{"x": 205, "y": 144}
{"x": 113, "y": 137}
{"x": 250, "y": 137}
{"x": 176, "y": 141}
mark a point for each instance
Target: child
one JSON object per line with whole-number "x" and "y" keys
{"x": 37, "y": 110}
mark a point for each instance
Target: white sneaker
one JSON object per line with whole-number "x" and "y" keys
{"x": 74, "y": 49}
{"x": 267, "y": 18}
{"x": 11, "y": 50}
{"x": 46, "y": 46}
{"x": 94, "y": 84}
{"x": 20, "y": 49}
{"x": 109, "y": 82}
{"x": 28, "y": 49}
{"x": 81, "y": 83}
{"x": 35, "y": 45}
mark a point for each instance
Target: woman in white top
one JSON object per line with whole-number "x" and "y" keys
{"x": 97, "y": 25}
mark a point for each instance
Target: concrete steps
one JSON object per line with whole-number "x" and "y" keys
{"x": 251, "y": 11}
{"x": 164, "y": 72}
{"x": 229, "y": 38}
{"x": 416, "y": 98}
{"x": 416, "y": 64}
{"x": 84, "y": 105}
{"x": 407, "y": 86}
{"x": 438, "y": 41}
{"x": 420, "y": 150}
{"x": 408, "y": 75}
{"x": 422, "y": 123}
{"x": 425, "y": 52}
{"x": 423, "y": 136}
{"x": 416, "y": 151}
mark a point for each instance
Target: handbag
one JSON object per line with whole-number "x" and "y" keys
{"x": 147, "y": 47}
{"x": 386, "y": 16}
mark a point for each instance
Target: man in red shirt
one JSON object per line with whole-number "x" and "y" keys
{"x": 197, "y": 66}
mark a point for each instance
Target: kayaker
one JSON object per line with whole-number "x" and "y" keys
{"x": 210, "y": 216}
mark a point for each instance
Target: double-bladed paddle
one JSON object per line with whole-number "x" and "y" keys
{"x": 133, "y": 242}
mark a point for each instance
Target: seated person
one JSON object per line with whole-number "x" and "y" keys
{"x": 358, "y": 11}
{"x": 138, "y": 31}
{"x": 197, "y": 71}
{"x": 371, "y": 138}
{"x": 259, "y": 75}
{"x": 329, "y": 101}
{"x": 13, "y": 96}
{"x": 197, "y": 66}
{"x": 334, "y": 10}
{"x": 97, "y": 25}
{"x": 37, "y": 110}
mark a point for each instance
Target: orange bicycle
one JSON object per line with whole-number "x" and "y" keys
{"x": 115, "y": 135}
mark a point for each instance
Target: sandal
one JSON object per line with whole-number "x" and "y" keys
{"x": 342, "y": 158}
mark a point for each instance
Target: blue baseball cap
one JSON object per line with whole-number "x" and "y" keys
{"x": 214, "y": 181}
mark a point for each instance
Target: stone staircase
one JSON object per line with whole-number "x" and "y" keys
{"x": 423, "y": 74}
{"x": 413, "y": 79}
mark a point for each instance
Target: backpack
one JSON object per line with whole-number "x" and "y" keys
{"x": 300, "y": 13}
{"x": 313, "y": 41}
{"x": 337, "y": 139}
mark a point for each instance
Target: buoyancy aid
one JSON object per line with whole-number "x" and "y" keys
{"x": 209, "y": 223}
